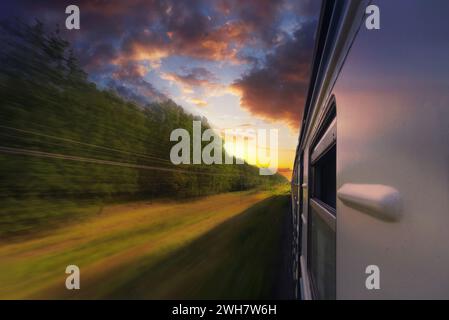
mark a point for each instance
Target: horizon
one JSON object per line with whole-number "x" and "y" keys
{"x": 240, "y": 65}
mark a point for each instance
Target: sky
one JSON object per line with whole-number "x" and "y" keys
{"x": 241, "y": 64}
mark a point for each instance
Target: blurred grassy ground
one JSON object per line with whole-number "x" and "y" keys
{"x": 222, "y": 246}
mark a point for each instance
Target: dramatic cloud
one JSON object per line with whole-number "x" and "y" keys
{"x": 198, "y": 80}
{"x": 192, "y": 77}
{"x": 258, "y": 16}
{"x": 120, "y": 42}
{"x": 128, "y": 81}
{"x": 154, "y": 29}
{"x": 213, "y": 43}
{"x": 131, "y": 71}
{"x": 276, "y": 91}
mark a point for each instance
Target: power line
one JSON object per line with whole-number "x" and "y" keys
{"x": 35, "y": 153}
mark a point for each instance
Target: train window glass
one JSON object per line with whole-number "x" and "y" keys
{"x": 301, "y": 181}
{"x": 322, "y": 210}
{"x": 324, "y": 178}
{"x": 301, "y": 201}
{"x": 323, "y": 258}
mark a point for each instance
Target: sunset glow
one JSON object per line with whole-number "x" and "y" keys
{"x": 239, "y": 64}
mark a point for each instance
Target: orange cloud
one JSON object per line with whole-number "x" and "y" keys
{"x": 196, "y": 79}
{"x": 198, "y": 102}
{"x": 276, "y": 91}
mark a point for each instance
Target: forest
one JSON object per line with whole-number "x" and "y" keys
{"x": 66, "y": 143}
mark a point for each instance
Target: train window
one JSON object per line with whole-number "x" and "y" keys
{"x": 301, "y": 202}
{"x": 301, "y": 181}
{"x": 324, "y": 178}
{"x": 322, "y": 211}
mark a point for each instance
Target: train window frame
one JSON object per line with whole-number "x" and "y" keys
{"x": 301, "y": 182}
{"x": 323, "y": 174}
{"x": 323, "y": 142}
{"x": 301, "y": 203}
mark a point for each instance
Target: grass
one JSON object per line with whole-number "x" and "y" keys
{"x": 19, "y": 218}
{"x": 222, "y": 246}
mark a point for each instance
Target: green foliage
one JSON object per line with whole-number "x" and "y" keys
{"x": 236, "y": 260}
{"x": 62, "y": 139}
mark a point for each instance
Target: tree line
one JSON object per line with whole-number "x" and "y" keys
{"x": 64, "y": 139}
